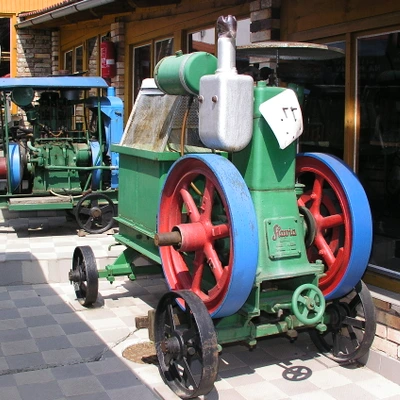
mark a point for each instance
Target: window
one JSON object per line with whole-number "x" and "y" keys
{"x": 78, "y": 67}
{"x": 378, "y": 93}
{"x": 84, "y": 58}
{"x": 92, "y": 56}
{"x": 142, "y": 60}
{"x": 68, "y": 61}
{"x": 141, "y": 66}
{"x": 73, "y": 60}
{"x": 162, "y": 49}
{"x": 320, "y": 86}
{"x": 202, "y": 40}
{"x": 206, "y": 40}
{"x": 4, "y": 47}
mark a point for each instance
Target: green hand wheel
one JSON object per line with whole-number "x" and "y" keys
{"x": 308, "y": 304}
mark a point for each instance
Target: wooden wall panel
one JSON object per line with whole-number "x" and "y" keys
{"x": 301, "y": 16}
{"x": 18, "y": 6}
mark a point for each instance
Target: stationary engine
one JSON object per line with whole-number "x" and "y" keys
{"x": 58, "y": 147}
{"x": 253, "y": 238}
{"x": 61, "y": 137}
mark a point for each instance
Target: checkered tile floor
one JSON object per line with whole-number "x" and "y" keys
{"x": 51, "y": 348}
{"x": 39, "y": 250}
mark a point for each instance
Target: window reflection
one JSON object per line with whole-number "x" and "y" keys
{"x": 142, "y": 66}
{"x": 323, "y": 105}
{"x": 68, "y": 61}
{"x": 92, "y": 51}
{"x": 79, "y": 59}
{"x": 202, "y": 40}
{"x": 379, "y": 166}
{"x": 162, "y": 49}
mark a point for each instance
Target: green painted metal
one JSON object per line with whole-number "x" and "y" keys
{"x": 270, "y": 175}
{"x": 146, "y": 171}
{"x": 124, "y": 265}
{"x": 180, "y": 74}
{"x": 41, "y": 207}
{"x": 137, "y": 209}
{"x": 59, "y": 155}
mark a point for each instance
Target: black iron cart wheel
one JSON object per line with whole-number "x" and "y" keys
{"x": 186, "y": 344}
{"x": 84, "y": 275}
{"x": 351, "y": 327}
{"x": 95, "y": 213}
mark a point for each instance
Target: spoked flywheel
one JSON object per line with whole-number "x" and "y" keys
{"x": 84, "y": 275}
{"x": 207, "y": 232}
{"x": 338, "y": 218}
{"x": 186, "y": 344}
{"x": 95, "y": 213}
{"x": 351, "y": 327}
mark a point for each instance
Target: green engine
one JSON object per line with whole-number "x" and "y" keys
{"x": 62, "y": 142}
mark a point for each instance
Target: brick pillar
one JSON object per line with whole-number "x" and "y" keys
{"x": 118, "y": 37}
{"x": 265, "y": 20}
{"x": 34, "y": 52}
{"x": 55, "y": 47}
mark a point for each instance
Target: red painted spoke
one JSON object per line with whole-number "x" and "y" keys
{"x": 317, "y": 195}
{"x": 220, "y": 231}
{"x": 332, "y": 221}
{"x": 184, "y": 274}
{"x": 191, "y": 207}
{"x": 208, "y": 200}
{"x": 324, "y": 250}
{"x": 302, "y": 201}
{"x": 213, "y": 261}
{"x": 198, "y": 269}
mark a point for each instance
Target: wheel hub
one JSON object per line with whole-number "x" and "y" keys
{"x": 193, "y": 236}
{"x": 311, "y": 226}
{"x": 95, "y": 212}
{"x": 75, "y": 275}
{"x": 337, "y": 313}
{"x": 173, "y": 346}
{"x": 310, "y": 304}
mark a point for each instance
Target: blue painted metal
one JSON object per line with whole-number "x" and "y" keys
{"x": 244, "y": 229}
{"x": 54, "y": 82}
{"x": 361, "y": 223}
{"x": 15, "y": 166}
{"x": 96, "y": 160}
{"x": 112, "y": 109}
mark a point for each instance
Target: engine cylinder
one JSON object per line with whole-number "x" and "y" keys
{"x": 180, "y": 74}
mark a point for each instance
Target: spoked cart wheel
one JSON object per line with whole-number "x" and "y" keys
{"x": 84, "y": 275}
{"x": 95, "y": 213}
{"x": 351, "y": 329}
{"x": 207, "y": 232}
{"x": 338, "y": 219}
{"x": 186, "y": 344}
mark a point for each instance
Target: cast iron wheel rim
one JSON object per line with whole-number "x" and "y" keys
{"x": 353, "y": 329}
{"x": 222, "y": 268}
{"x": 342, "y": 221}
{"x": 186, "y": 344}
{"x": 84, "y": 275}
{"x": 95, "y": 213}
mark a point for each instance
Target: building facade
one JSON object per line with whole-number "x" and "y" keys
{"x": 351, "y": 104}
{"x": 8, "y": 36}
